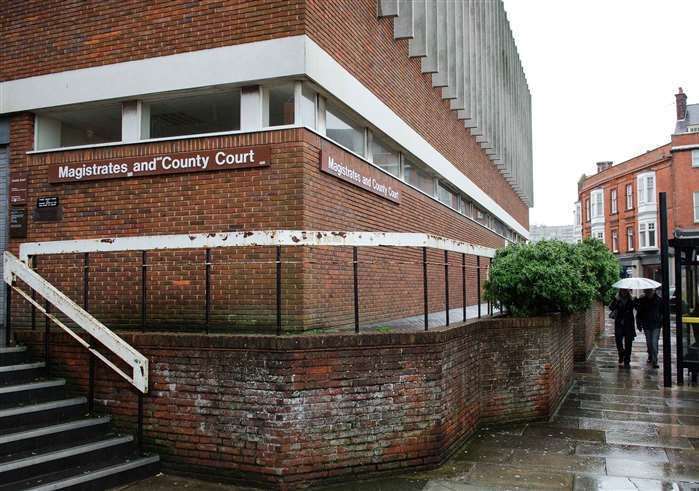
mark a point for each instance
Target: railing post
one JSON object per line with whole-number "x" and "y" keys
{"x": 86, "y": 281}
{"x": 140, "y": 423}
{"x": 33, "y": 262}
{"x": 678, "y": 316}
{"x": 424, "y": 285}
{"x": 356, "y": 289}
{"x": 91, "y": 386}
{"x": 446, "y": 283}
{"x": 144, "y": 287}
{"x": 47, "y": 328}
{"x": 8, "y": 314}
{"x": 207, "y": 293}
{"x": 478, "y": 283}
{"x": 463, "y": 280}
{"x": 279, "y": 290}
{"x": 490, "y": 304}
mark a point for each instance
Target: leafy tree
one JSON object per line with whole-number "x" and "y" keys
{"x": 603, "y": 266}
{"x": 548, "y": 276}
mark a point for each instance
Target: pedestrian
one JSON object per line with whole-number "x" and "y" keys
{"x": 649, "y": 319}
{"x": 621, "y": 310}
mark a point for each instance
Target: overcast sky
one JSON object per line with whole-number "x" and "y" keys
{"x": 603, "y": 74}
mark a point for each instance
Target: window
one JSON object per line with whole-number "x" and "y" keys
{"x": 646, "y": 235}
{"x": 578, "y": 218}
{"x": 599, "y": 236}
{"x": 206, "y": 113}
{"x": 629, "y": 196}
{"x": 343, "y": 130}
{"x": 89, "y": 125}
{"x": 447, "y": 197}
{"x": 695, "y": 158}
{"x": 615, "y": 241}
{"x": 467, "y": 208}
{"x": 646, "y": 188}
{"x": 612, "y": 200}
{"x": 385, "y": 157}
{"x": 416, "y": 176}
{"x": 587, "y": 209}
{"x": 629, "y": 238}
{"x": 693, "y": 129}
{"x": 597, "y": 203}
{"x": 696, "y": 207}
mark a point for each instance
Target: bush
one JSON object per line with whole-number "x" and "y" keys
{"x": 603, "y": 266}
{"x": 550, "y": 276}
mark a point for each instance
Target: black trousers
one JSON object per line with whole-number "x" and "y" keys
{"x": 623, "y": 346}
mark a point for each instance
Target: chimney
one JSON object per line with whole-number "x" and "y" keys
{"x": 602, "y": 166}
{"x": 681, "y": 104}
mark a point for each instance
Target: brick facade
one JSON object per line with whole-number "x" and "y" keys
{"x": 285, "y": 412}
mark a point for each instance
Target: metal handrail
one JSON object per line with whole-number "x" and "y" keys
{"x": 14, "y": 268}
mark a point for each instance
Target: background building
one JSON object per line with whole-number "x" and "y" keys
{"x": 565, "y": 233}
{"x": 619, "y": 204}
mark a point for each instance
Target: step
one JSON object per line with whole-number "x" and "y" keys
{"x": 13, "y": 355}
{"x": 37, "y": 391}
{"x": 97, "y": 476}
{"x": 63, "y": 458}
{"x": 72, "y": 431}
{"x": 21, "y": 372}
{"x": 42, "y": 413}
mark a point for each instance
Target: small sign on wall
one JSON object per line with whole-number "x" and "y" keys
{"x": 18, "y": 222}
{"x": 19, "y": 188}
{"x": 47, "y": 209}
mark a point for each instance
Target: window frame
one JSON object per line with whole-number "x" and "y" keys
{"x": 694, "y": 157}
{"x": 694, "y": 199}
{"x": 588, "y": 213}
{"x": 629, "y": 196}
{"x": 630, "y": 245}
{"x": 613, "y": 205}
{"x": 615, "y": 240}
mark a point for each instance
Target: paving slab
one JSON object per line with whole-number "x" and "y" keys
{"x": 629, "y": 452}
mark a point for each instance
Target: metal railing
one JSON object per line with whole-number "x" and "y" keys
{"x": 15, "y": 270}
{"x": 277, "y": 239}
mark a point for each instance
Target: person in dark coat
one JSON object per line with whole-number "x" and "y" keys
{"x": 649, "y": 319}
{"x": 624, "y": 325}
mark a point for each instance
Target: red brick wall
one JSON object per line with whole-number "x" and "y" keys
{"x": 364, "y": 45}
{"x": 40, "y": 36}
{"x": 283, "y": 412}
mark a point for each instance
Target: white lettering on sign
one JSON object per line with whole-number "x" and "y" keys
{"x": 225, "y": 158}
{"x": 343, "y": 171}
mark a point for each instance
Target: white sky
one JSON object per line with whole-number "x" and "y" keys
{"x": 603, "y": 74}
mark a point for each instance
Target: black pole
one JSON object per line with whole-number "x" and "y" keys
{"x": 424, "y": 285}
{"x": 463, "y": 280}
{"x": 446, "y": 283}
{"x": 47, "y": 327}
{"x": 33, "y": 297}
{"x": 207, "y": 292}
{"x": 478, "y": 283}
{"x": 8, "y": 314}
{"x": 279, "y": 290}
{"x": 91, "y": 386}
{"x": 144, "y": 287}
{"x": 490, "y": 304}
{"x": 356, "y": 289}
{"x": 140, "y": 422}
{"x": 678, "y": 315}
{"x": 667, "y": 353}
{"x": 86, "y": 281}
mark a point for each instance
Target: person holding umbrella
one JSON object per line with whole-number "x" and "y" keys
{"x": 622, "y": 308}
{"x": 649, "y": 316}
{"x": 624, "y": 325}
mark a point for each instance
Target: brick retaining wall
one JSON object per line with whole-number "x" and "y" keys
{"x": 287, "y": 411}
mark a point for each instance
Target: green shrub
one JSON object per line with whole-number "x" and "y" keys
{"x": 549, "y": 276}
{"x": 603, "y": 266}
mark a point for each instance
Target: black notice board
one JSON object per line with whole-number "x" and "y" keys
{"x": 18, "y": 222}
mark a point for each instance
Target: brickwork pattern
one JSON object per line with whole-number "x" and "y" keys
{"x": 286, "y": 412}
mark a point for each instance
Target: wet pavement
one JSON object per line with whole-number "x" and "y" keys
{"x": 617, "y": 429}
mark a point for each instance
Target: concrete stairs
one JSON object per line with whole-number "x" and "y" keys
{"x": 49, "y": 441}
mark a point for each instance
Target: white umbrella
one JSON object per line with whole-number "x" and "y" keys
{"x": 636, "y": 284}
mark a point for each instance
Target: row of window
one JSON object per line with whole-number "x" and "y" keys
{"x": 288, "y": 103}
{"x": 594, "y": 206}
{"x": 646, "y": 237}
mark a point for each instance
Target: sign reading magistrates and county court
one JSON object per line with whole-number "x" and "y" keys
{"x": 168, "y": 163}
{"x": 349, "y": 168}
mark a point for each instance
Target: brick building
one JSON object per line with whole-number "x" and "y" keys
{"x": 619, "y": 204}
{"x": 151, "y": 118}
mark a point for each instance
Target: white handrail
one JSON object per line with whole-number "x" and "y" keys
{"x": 251, "y": 238}
{"x": 14, "y": 268}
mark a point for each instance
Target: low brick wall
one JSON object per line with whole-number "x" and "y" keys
{"x": 587, "y": 326}
{"x": 284, "y": 412}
